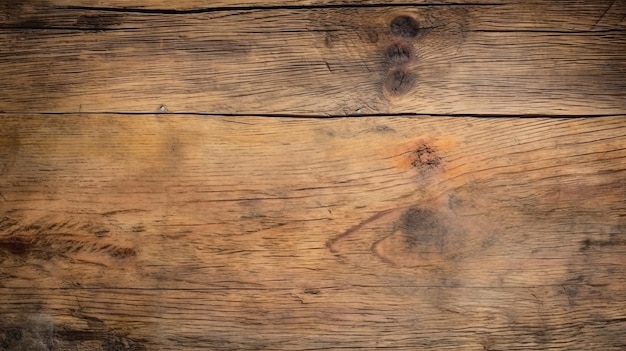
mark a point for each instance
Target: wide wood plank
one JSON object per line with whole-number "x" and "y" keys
{"x": 540, "y": 58}
{"x": 162, "y": 232}
{"x": 332, "y": 318}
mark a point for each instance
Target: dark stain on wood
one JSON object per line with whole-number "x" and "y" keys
{"x": 404, "y": 26}
{"x": 10, "y": 337}
{"x": 31, "y": 15}
{"x": 590, "y": 243}
{"x": 11, "y": 10}
{"x": 423, "y": 235}
{"x": 16, "y": 245}
{"x": 109, "y": 341}
{"x": 28, "y": 332}
{"x": 46, "y": 240}
{"x": 422, "y": 229}
{"x": 415, "y": 236}
{"x": 30, "y": 24}
{"x": 98, "y": 22}
{"x": 400, "y": 82}
{"x": 398, "y": 54}
{"x": 41, "y": 333}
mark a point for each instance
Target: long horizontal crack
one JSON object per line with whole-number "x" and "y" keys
{"x": 91, "y": 29}
{"x": 282, "y": 7}
{"x": 305, "y": 116}
{"x": 267, "y": 7}
{"x": 218, "y": 287}
{"x": 547, "y": 31}
{"x": 43, "y": 27}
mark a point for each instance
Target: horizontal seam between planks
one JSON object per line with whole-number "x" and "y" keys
{"x": 287, "y": 115}
{"x": 289, "y": 288}
{"x": 521, "y": 31}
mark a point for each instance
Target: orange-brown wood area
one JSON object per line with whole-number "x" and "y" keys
{"x": 312, "y": 175}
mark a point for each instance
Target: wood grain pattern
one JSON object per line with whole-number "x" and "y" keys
{"x": 121, "y": 232}
{"x": 520, "y": 58}
{"x": 595, "y": 9}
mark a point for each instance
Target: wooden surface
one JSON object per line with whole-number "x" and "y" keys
{"x": 435, "y": 233}
{"x": 538, "y": 58}
{"x": 164, "y": 187}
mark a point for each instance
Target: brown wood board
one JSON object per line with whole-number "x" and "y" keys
{"x": 160, "y": 232}
{"x": 332, "y": 59}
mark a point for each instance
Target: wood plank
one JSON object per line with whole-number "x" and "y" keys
{"x": 318, "y": 61}
{"x": 166, "y": 232}
{"x": 327, "y": 319}
{"x": 592, "y": 9}
{"x": 565, "y": 15}
{"x": 195, "y": 5}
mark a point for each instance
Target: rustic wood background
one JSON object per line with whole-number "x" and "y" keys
{"x": 169, "y": 179}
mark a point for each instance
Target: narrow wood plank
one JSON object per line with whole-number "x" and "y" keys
{"x": 593, "y": 9}
{"x": 565, "y": 15}
{"x": 191, "y": 5}
{"x": 181, "y": 232}
{"x": 320, "y": 61}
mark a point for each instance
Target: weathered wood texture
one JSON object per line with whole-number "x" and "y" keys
{"x": 519, "y": 58}
{"x": 600, "y": 9}
{"x": 184, "y": 232}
